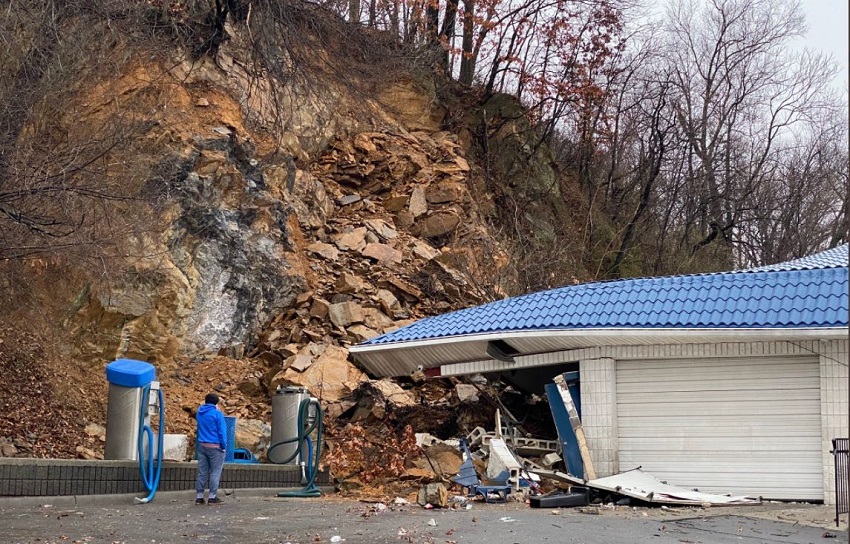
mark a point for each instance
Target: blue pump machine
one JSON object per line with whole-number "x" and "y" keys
{"x": 134, "y": 397}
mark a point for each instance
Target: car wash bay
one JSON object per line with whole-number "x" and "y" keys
{"x": 736, "y": 425}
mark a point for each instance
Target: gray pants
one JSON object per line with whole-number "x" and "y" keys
{"x": 210, "y": 463}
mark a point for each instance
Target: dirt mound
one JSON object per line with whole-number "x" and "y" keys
{"x": 46, "y": 402}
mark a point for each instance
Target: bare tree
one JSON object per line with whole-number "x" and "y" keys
{"x": 804, "y": 208}
{"x": 61, "y": 192}
{"x": 738, "y": 92}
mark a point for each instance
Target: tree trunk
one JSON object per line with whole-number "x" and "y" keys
{"x": 432, "y": 22}
{"x": 353, "y": 11}
{"x": 447, "y": 32}
{"x": 467, "y": 61}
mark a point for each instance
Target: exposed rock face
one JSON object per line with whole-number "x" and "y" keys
{"x": 235, "y": 252}
{"x": 224, "y": 271}
{"x": 286, "y": 222}
{"x": 284, "y": 247}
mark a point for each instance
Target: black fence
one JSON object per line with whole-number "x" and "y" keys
{"x": 841, "y": 454}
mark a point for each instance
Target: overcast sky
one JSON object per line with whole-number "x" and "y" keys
{"x": 828, "y": 31}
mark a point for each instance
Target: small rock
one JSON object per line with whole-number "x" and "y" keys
{"x": 86, "y": 453}
{"x": 348, "y": 199}
{"x": 382, "y": 253}
{"x": 327, "y": 251}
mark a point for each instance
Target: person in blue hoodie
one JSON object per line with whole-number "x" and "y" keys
{"x": 212, "y": 443}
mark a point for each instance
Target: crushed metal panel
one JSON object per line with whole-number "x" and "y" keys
{"x": 640, "y": 485}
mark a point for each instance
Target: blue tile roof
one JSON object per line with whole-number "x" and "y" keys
{"x": 805, "y": 293}
{"x": 831, "y": 258}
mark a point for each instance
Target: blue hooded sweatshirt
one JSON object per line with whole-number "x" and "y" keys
{"x": 211, "y": 426}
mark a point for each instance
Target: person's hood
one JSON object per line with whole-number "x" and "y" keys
{"x": 206, "y": 408}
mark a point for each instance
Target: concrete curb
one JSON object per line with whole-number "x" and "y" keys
{"x": 124, "y": 499}
{"x": 47, "y": 478}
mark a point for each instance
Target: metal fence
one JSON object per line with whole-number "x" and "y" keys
{"x": 841, "y": 455}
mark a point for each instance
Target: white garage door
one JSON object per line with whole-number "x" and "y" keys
{"x": 742, "y": 426}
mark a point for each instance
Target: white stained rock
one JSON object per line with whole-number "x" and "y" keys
{"x": 466, "y": 392}
{"x": 175, "y": 447}
{"x": 346, "y": 313}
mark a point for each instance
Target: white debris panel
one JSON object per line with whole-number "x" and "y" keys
{"x": 640, "y": 485}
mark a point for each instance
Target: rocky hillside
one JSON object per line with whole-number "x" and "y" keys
{"x": 264, "y": 226}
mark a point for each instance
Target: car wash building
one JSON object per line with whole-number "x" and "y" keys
{"x": 732, "y": 382}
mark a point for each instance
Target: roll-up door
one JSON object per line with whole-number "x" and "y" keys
{"x": 743, "y": 426}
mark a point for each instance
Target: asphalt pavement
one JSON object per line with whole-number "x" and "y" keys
{"x": 259, "y": 516}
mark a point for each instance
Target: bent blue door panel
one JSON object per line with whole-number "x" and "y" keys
{"x": 566, "y": 435}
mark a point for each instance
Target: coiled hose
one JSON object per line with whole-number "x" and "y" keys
{"x": 150, "y": 474}
{"x": 303, "y": 439}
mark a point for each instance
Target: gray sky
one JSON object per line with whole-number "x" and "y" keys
{"x": 828, "y": 31}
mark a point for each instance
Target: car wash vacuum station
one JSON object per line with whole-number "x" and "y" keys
{"x": 297, "y": 436}
{"x": 134, "y": 396}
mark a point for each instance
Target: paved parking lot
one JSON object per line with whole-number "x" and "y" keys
{"x": 259, "y": 516}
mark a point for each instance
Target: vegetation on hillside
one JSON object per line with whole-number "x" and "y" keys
{"x": 700, "y": 143}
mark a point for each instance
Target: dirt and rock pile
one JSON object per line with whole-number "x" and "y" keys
{"x": 396, "y": 225}
{"x": 273, "y": 252}
{"x": 41, "y": 402}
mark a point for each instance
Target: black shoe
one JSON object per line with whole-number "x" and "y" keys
{"x": 199, "y": 501}
{"x": 215, "y": 500}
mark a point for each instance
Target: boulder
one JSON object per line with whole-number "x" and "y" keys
{"x": 349, "y": 283}
{"x": 301, "y": 362}
{"x": 7, "y": 448}
{"x": 382, "y": 253}
{"x": 434, "y": 494}
{"x": 252, "y": 386}
{"x": 445, "y": 191}
{"x": 418, "y": 204}
{"x": 253, "y": 435}
{"x": 320, "y": 308}
{"x": 346, "y": 313}
{"x": 389, "y": 304}
{"x": 353, "y": 240}
{"x": 425, "y": 251}
{"x": 444, "y": 460}
{"x": 404, "y": 219}
{"x": 437, "y": 224}
{"x": 361, "y": 333}
{"x": 394, "y": 394}
{"x": 329, "y": 378}
{"x": 381, "y": 228}
{"x": 327, "y": 251}
{"x": 87, "y": 453}
{"x": 376, "y": 319}
{"x": 395, "y": 203}
{"x": 96, "y": 431}
{"x": 466, "y": 392}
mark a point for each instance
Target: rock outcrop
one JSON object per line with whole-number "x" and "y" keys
{"x": 282, "y": 224}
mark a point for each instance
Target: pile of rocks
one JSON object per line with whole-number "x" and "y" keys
{"x": 397, "y": 245}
